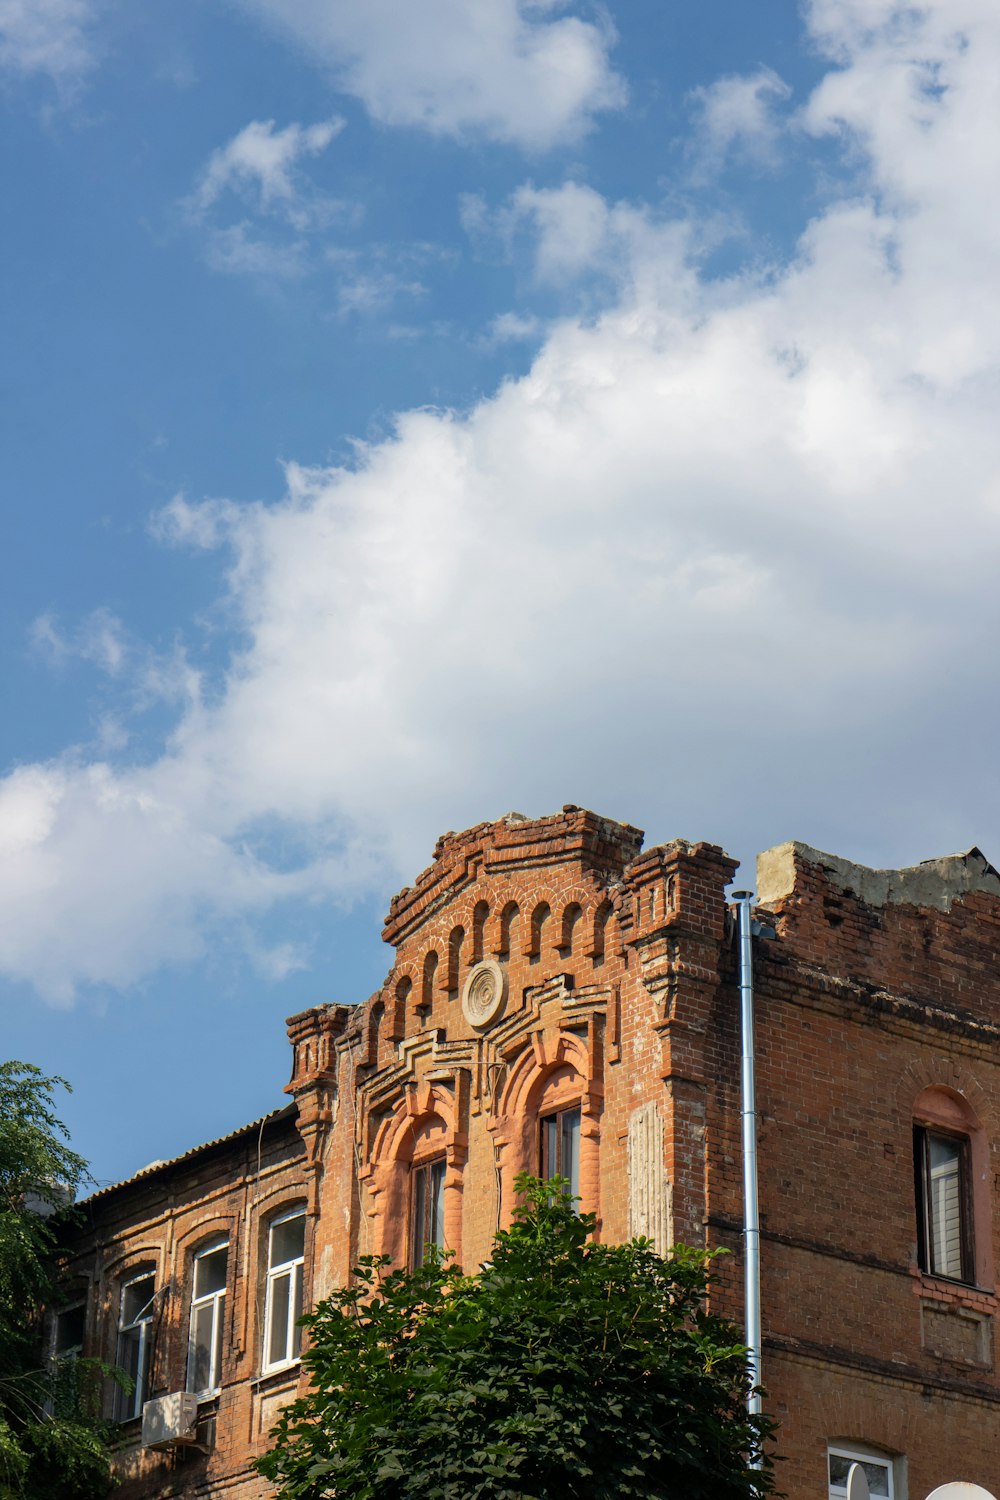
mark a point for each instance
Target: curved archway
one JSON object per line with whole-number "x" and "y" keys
{"x": 422, "y": 1129}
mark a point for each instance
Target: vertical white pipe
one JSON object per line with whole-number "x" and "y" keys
{"x": 748, "y": 1114}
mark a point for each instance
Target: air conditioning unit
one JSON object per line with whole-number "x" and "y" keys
{"x": 170, "y": 1421}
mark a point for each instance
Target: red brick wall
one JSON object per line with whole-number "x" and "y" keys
{"x": 623, "y": 1000}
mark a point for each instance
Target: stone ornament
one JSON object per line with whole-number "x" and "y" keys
{"x": 484, "y": 993}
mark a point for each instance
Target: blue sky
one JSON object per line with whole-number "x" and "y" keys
{"x": 414, "y": 410}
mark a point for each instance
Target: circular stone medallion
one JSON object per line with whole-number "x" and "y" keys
{"x": 485, "y": 992}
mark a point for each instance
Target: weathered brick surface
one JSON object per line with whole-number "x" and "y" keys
{"x": 877, "y": 1000}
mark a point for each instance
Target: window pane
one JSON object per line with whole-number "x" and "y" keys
{"x": 201, "y": 1374}
{"x": 436, "y": 1226}
{"x": 281, "y": 1291}
{"x": 418, "y": 1215}
{"x": 288, "y": 1240}
{"x": 550, "y": 1147}
{"x": 210, "y": 1272}
{"x": 945, "y": 1188}
{"x": 220, "y": 1307}
{"x": 426, "y": 1209}
{"x": 569, "y": 1148}
{"x": 129, "y": 1403}
{"x": 876, "y": 1473}
{"x": 297, "y": 1313}
{"x": 878, "y": 1478}
{"x": 135, "y": 1299}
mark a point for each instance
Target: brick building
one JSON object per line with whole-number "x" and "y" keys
{"x": 562, "y": 1000}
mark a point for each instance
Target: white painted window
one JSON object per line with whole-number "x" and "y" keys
{"x": 286, "y": 1240}
{"x": 208, "y": 1305}
{"x": 878, "y": 1471}
{"x": 426, "y": 1209}
{"x": 135, "y": 1343}
{"x": 561, "y": 1147}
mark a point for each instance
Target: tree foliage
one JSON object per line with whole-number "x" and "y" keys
{"x": 563, "y": 1369}
{"x": 52, "y": 1440}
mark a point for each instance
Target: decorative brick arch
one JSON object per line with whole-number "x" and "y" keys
{"x": 943, "y": 1092}
{"x": 424, "y": 1124}
{"x": 597, "y": 927}
{"x": 949, "y": 1073}
{"x": 871, "y": 1418}
{"x": 555, "y": 1071}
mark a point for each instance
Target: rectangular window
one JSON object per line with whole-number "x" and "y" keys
{"x": 943, "y": 1183}
{"x": 561, "y": 1147}
{"x": 135, "y": 1340}
{"x": 286, "y": 1240}
{"x": 67, "y": 1335}
{"x": 878, "y": 1472}
{"x": 426, "y": 1209}
{"x": 208, "y": 1304}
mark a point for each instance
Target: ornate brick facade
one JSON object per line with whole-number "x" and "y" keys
{"x": 548, "y": 967}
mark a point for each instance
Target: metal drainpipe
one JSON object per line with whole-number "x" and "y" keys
{"x": 748, "y": 1113}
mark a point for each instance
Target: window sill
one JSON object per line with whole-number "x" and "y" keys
{"x": 958, "y": 1293}
{"x": 127, "y": 1432}
{"x": 277, "y": 1375}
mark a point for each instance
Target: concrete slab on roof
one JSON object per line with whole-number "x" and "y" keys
{"x": 933, "y": 883}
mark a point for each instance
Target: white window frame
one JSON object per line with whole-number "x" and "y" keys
{"x": 217, "y": 1302}
{"x": 144, "y": 1323}
{"x": 860, "y": 1456}
{"x": 275, "y": 1271}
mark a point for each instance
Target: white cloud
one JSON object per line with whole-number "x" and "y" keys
{"x": 280, "y": 231}
{"x": 573, "y": 233}
{"x": 98, "y": 639}
{"x": 236, "y": 249}
{"x": 51, "y": 37}
{"x": 738, "y": 115}
{"x": 507, "y": 69}
{"x": 512, "y": 328}
{"x": 263, "y": 161}
{"x": 741, "y": 538}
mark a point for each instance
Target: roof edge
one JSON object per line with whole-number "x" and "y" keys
{"x": 933, "y": 883}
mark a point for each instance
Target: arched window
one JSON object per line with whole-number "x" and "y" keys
{"x": 426, "y": 1208}
{"x": 134, "y": 1351}
{"x": 557, "y": 1103}
{"x": 559, "y": 1146}
{"x": 208, "y": 1303}
{"x": 286, "y": 1243}
{"x": 947, "y": 1138}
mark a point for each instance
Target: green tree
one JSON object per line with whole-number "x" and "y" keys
{"x": 52, "y": 1441}
{"x": 564, "y": 1368}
